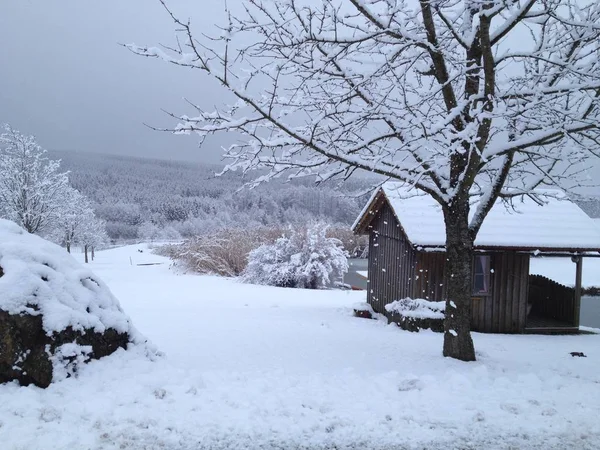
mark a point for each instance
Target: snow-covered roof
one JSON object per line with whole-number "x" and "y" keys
{"x": 557, "y": 225}
{"x": 39, "y": 277}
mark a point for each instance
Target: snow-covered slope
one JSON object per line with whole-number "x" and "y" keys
{"x": 250, "y": 367}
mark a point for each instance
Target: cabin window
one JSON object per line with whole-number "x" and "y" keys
{"x": 481, "y": 275}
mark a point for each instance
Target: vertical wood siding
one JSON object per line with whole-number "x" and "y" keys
{"x": 553, "y": 300}
{"x": 505, "y": 309}
{"x": 391, "y": 261}
{"x": 430, "y": 276}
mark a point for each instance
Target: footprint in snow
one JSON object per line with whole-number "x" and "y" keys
{"x": 513, "y": 409}
{"x": 410, "y": 385}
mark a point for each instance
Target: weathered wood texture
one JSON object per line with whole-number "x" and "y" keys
{"x": 552, "y": 300}
{"x": 391, "y": 261}
{"x": 504, "y": 309}
{"x": 430, "y": 276}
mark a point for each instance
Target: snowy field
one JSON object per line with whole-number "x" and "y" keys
{"x": 257, "y": 367}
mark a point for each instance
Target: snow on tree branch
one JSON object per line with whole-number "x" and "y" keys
{"x": 433, "y": 94}
{"x": 31, "y": 186}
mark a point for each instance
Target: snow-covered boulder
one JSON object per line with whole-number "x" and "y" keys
{"x": 54, "y": 314}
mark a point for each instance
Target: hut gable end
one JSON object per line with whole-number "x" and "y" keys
{"x": 392, "y": 260}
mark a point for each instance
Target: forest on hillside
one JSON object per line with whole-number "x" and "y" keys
{"x": 156, "y": 199}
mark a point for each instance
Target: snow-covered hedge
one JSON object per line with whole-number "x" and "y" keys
{"x": 417, "y": 308}
{"x": 305, "y": 258}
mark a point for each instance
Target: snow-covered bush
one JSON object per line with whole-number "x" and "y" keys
{"x": 417, "y": 308}
{"x": 305, "y": 258}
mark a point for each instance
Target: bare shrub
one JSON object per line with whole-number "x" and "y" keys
{"x": 223, "y": 252}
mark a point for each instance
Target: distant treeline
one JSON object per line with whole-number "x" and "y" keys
{"x": 155, "y": 199}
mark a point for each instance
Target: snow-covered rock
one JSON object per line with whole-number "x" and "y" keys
{"x": 54, "y": 313}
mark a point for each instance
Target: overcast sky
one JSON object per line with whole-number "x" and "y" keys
{"x": 65, "y": 79}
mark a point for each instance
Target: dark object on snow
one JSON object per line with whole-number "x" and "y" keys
{"x": 363, "y": 314}
{"x": 140, "y": 250}
{"x": 25, "y": 348}
{"x": 580, "y": 354}
{"x": 415, "y": 324}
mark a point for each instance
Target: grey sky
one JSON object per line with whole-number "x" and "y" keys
{"x": 65, "y": 79}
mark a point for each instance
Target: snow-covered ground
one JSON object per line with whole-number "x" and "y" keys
{"x": 258, "y": 367}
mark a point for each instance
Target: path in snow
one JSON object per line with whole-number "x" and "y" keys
{"x": 257, "y": 367}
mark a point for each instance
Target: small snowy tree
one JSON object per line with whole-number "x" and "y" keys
{"x": 32, "y": 190}
{"x": 72, "y": 217}
{"x": 92, "y": 234}
{"x": 307, "y": 259}
{"x": 469, "y": 101}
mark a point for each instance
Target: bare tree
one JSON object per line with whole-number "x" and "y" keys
{"x": 468, "y": 101}
{"x": 31, "y": 187}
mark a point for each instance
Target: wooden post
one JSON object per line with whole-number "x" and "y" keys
{"x": 578, "y": 260}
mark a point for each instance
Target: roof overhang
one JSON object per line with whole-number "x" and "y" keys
{"x": 361, "y": 225}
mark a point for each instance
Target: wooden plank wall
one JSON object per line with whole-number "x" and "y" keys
{"x": 391, "y": 261}
{"x": 552, "y": 299}
{"x": 505, "y": 309}
{"x": 430, "y": 276}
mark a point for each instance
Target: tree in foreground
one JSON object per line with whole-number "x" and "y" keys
{"x": 305, "y": 258}
{"x": 31, "y": 187}
{"x": 468, "y": 101}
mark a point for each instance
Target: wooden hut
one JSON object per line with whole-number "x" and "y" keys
{"x": 407, "y": 258}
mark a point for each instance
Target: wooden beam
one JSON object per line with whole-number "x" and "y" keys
{"x": 578, "y": 260}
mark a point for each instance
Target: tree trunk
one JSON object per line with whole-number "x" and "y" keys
{"x": 459, "y": 263}
{"x": 85, "y": 249}
{"x": 68, "y": 247}
{"x": 93, "y": 253}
